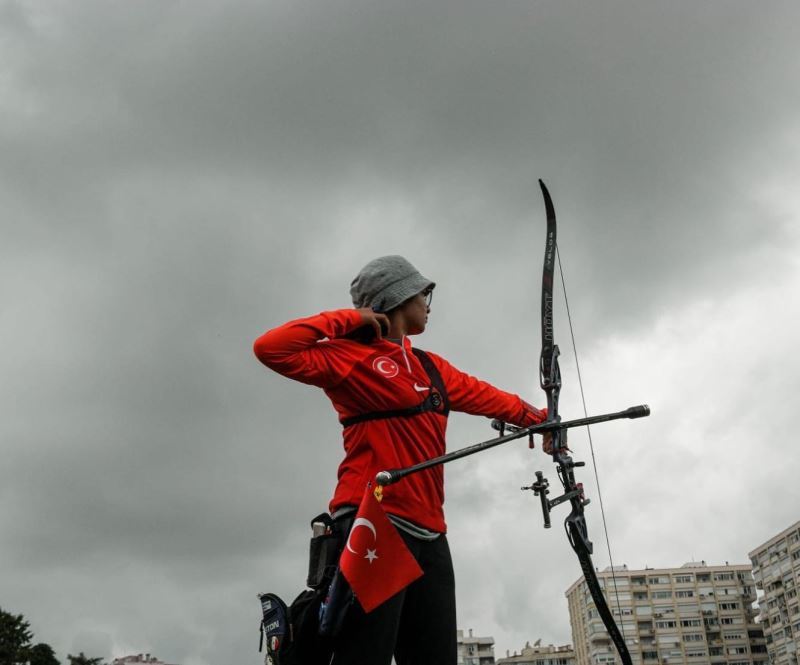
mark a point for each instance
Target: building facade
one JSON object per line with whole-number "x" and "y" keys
{"x": 475, "y": 650}
{"x": 540, "y": 655}
{"x": 693, "y": 614}
{"x": 776, "y": 569}
{"x": 138, "y": 659}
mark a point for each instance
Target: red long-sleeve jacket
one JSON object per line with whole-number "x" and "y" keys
{"x": 380, "y": 376}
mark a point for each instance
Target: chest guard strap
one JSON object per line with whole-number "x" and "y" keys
{"x": 436, "y": 399}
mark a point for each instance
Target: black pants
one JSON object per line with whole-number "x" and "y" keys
{"x": 417, "y": 626}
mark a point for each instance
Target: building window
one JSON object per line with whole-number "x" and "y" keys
{"x": 735, "y": 651}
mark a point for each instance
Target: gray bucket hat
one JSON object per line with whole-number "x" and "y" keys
{"x": 387, "y": 282}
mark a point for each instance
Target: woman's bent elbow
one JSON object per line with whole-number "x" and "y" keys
{"x": 265, "y": 351}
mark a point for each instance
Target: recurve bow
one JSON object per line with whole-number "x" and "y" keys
{"x": 550, "y": 380}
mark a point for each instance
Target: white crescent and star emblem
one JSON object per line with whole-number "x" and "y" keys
{"x": 362, "y": 521}
{"x": 386, "y": 367}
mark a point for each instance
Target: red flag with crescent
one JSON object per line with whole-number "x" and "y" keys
{"x": 375, "y": 560}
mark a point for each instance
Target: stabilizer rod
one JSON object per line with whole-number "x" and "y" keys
{"x": 393, "y": 475}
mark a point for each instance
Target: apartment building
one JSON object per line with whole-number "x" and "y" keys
{"x": 540, "y": 655}
{"x": 138, "y": 659}
{"x": 693, "y": 614}
{"x": 776, "y": 569}
{"x": 475, "y": 650}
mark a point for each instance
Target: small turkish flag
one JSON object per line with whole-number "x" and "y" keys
{"x": 375, "y": 560}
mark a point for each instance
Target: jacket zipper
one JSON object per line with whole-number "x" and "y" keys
{"x": 405, "y": 355}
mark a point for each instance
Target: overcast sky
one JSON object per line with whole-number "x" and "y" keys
{"x": 177, "y": 177}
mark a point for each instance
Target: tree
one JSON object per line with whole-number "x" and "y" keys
{"x": 15, "y": 643}
{"x": 15, "y": 638}
{"x": 82, "y": 659}
{"x": 42, "y": 654}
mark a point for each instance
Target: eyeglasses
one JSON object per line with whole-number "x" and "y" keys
{"x": 428, "y": 295}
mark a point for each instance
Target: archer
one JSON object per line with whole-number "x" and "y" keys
{"x": 393, "y": 402}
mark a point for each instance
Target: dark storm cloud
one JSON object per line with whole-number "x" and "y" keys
{"x": 176, "y": 177}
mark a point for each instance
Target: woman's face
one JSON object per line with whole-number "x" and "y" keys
{"x": 415, "y": 312}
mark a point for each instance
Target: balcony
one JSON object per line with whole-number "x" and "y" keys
{"x": 600, "y": 639}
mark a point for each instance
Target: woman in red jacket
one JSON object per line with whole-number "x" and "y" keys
{"x": 392, "y": 401}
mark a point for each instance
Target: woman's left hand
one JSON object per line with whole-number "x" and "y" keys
{"x": 547, "y": 442}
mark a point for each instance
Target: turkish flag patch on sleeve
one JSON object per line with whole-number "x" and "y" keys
{"x": 375, "y": 561}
